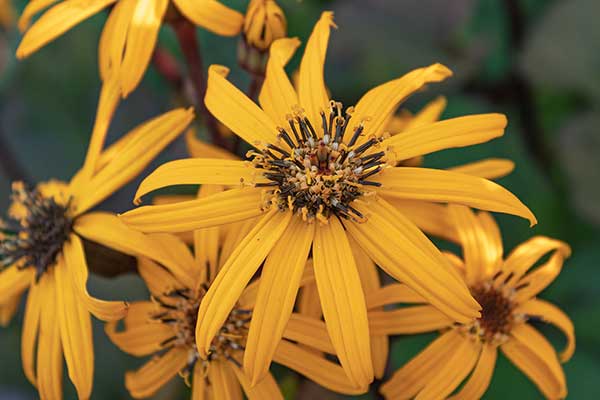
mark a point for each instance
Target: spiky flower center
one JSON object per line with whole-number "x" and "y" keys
{"x": 36, "y": 230}
{"x": 179, "y": 308}
{"x": 320, "y": 176}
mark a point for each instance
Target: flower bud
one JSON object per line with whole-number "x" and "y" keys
{"x": 264, "y": 23}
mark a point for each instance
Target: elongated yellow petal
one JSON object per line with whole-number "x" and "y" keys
{"x": 141, "y": 39}
{"x": 315, "y": 368}
{"x": 277, "y": 96}
{"x": 481, "y": 254}
{"x": 236, "y": 111}
{"x": 309, "y": 303}
{"x": 480, "y": 379}
{"x": 49, "y": 350}
{"x": 549, "y": 379}
{"x": 458, "y": 366}
{"x": 408, "y": 256}
{"x": 181, "y": 260}
{"x": 200, "y": 386}
{"x": 525, "y": 255}
{"x": 549, "y": 313}
{"x": 490, "y": 168}
{"x": 57, "y": 21}
{"x": 235, "y": 274}
{"x": 391, "y": 294}
{"x": 230, "y": 206}
{"x": 138, "y": 313}
{"x": 199, "y": 148}
{"x": 224, "y": 383}
{"x": 14, "y": 281}
{"x": 8, "y": 309}
{"x": 279, "y": 282}
{"x": 377, "y": 105}
{"x": 198, "y": 171}
{"x": 415, "y": 374}
{"x": 108, "y": 230}
{"x": 207, "y": 243}
{"x": 30, "y": 10}
{"x": 142, "y": 339}
{"x": 343, "y": 302}
{"x": 212, "y": 15}
{"x": 451, "y": 187}
{"x": 31, "y": 324}
{"x": 534, "y": 282}
{"x": 427, "y": 115}
{"x": 308, "y": 331}
{"x": 267, "y": 388}
{"x": 312, "y": 91}
{"x": 417, "y": 319}
{"x": 75, "y": 332}
{"x": 150, "y": 139}
{"x": 155, "y": 373}
{"x": 76, "y": 265}
{"x": 431, "y": 218}
{"x": 451, "y": 133}
{"x": 158, "y": 279}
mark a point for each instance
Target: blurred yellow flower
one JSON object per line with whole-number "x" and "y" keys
{"x": 264, "y": 23}
{"x": 507, "y": 290}
{"x": 315, "y": 183}
{"x": 7, "y": 14}
{"x": 41, "y": 249}
{"x": 130, "y": 33}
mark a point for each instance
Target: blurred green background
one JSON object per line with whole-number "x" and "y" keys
{"x": 538, "y": 61}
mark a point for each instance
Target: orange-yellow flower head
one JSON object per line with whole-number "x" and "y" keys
{"x": 264, "y": 23}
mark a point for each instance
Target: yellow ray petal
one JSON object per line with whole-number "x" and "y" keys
{"x": 458, "y": 366}
{"x": 108, "y": 230}
{"x": 391, "y": 294}
{"x": 212, "y": 15}
{"x": 536, "y": 281}
{"x": 30, "y": 10}
{"x": 230, "y": 206}
{"x": 279, "y": 282}
{"x": 233, "y": 236}
{"x": 525, "y": 255}
{"x": 235, "y": 274}
{"x": 236, "y": 111}
{"x": 76, "y": 265}
{"x": 551, "y": 314}
{"x": 207, "y": 242}
{"x": 150, "y": 139}
{"x": 377, "y": 105}
{"x": 408, "y": 256}
{"x": 31, "y": 324}
{"x": 267, "y": 388}
{"x": 138, "y": 313}
{"x": 549, "y": 382}
{"x": 57, "y": 21}
{"x": 309, "y": 303}
{"x": 308, "y": 331}
{"x": 75, "y": 332}
{"x": 199, "y": 148}
{"x": 428, "y": 114}
{"x": 451, "y": 187}
{"x": 315, "y": 368}
{"x": 480, "y": 379}
{"x": 414, "y": 375}
{"x": 200, "y": 386}
{"x": 198, "y": 171}
{"x": 8, "y": 310}
{"x": 141, "y": 339}
{"x": 155, "y": 373}
{"x": 312, "y": 91}
{"x": 158, "y": 278}
{"x": 181, "y": 264}
{"x": 13, "y": 281}
{"x": 451, "y": 133}
{"x": 343, "y": 302}
{"x": 277, "y": 96}
{"x": 416, "y": 319}
{"x": 481, "y": 254}
{"x": 141, "y": 39}
{"x": 490, "y": 168}
{"x": 49, "y": 351}
{"x": 163, "y": 199}
{"x": 431, "y": 218}
{"x": 223, "y": 381}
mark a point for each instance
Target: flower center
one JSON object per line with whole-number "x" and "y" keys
{"x": 36, "y": 231}
{"x": 497, "y": 314}
{"x": 320, "y": 176}
{"x": 179, "y": 308}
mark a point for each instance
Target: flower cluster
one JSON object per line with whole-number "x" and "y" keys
{"x": 279, "y": 256}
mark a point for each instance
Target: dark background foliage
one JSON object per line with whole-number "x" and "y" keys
{"x": 538, "y": 61}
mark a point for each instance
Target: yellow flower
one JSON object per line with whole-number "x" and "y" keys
{"x": 130, "y": 33}
{"x": 167, "y": 325}
{"x": 41, "y": 249}
{"x": 314, "y": 184}
{"x": 6, "y": 14}
{"x": 507, "y": 290}
{"x": 264, "y": 23}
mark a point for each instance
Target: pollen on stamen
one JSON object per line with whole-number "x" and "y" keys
{"x": 321, "y": 174}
